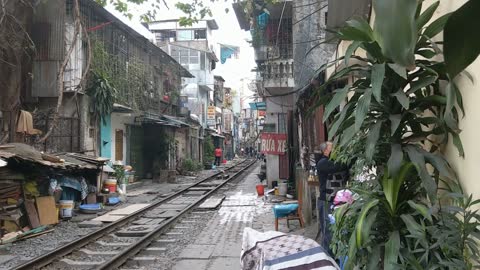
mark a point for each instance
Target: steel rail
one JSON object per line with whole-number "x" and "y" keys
{"x": 124, "y": 255}
{"x": 64, "y": 250}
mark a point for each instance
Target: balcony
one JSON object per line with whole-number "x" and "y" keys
{"x": 278, "y": 74}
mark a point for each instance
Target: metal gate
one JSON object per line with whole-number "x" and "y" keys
{"x": 135, "y": 150}
{"x": 65, "y": 137}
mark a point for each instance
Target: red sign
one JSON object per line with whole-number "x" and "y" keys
{"x": 274, "y": 143}
{"x": 262, "y": 113}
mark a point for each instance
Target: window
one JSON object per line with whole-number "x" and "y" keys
{"x": 165, "y": 35}
{"x": 185, "y": 56}
{"x": 184, "y": 35}
{"x": 202, "y": 61}
{"x": 200, "y": 34}
{"x": 282, "y": 123}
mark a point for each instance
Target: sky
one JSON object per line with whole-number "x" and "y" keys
{"x": 234, "y": 71}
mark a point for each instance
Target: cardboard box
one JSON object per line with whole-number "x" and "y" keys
{"x": 47, "y": 210}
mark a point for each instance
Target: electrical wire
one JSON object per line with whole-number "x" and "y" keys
{"x": 280, "y": 24}
{"x": 309, "y": 15}
{"x": 305, "y": 5}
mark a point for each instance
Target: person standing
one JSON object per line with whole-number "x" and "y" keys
{"x": 325, "y": 170}
{"x": 218, "y": 155}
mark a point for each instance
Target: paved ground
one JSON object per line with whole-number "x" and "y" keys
{"x": 218, "y": 245}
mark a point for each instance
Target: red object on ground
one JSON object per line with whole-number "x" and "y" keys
{"x": 260, "y": 189}
{"x": 224, "y": 161}
{"x": 111, "y": 187}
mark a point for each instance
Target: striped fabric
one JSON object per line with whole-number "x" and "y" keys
{"x": 282, "y": 252}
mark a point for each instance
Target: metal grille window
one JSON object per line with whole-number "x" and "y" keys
{"x": 162, "y": 36}
{"x": 282, "y": 123}
{"x": 281, "y": 44}
{"x": 184, "y": 35}
{"x": 185, "y": 56}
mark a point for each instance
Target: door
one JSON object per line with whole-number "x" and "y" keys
{"x": 136, "y": 150}
{"x": 119, "y": 144}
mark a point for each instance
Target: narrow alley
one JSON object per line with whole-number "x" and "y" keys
{"x": 239, "y": 134}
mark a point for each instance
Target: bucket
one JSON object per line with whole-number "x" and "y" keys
{"x": 282, "y": 189}
{"x": 111, "y": 184}
{"x": 260, "y": 189}
{"x": 66, "y": 207}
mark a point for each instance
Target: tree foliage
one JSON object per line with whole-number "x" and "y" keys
{"x": 402, "y": 109}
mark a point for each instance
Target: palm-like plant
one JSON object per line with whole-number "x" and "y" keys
{"x": 401, "y": 109}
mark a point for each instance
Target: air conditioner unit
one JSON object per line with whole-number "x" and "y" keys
{"x": 273, "y": 52}
{"x": 183, "y": 111}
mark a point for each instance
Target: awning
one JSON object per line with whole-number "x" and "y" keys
{"x": 119, "y": 108}
{"x": 217, "y": 135}
{"x": 258, "y": 106}
{"x": 164, "y": 120}
{"x": 175, "y": 120}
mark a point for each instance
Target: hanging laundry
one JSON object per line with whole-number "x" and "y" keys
{"x": 226, "y": 51}
{"x": 25, "y": 124}
{"x": 262, "y": 20}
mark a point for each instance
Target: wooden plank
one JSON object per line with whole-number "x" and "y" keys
{"x": 32, "y": 214}
{"x": 128, "y": 210}
{"x": 142, "y": 221}
{"x": 211, "y": 203}
{"x": 107, "y": 218}
{"x": 47, "y": 211}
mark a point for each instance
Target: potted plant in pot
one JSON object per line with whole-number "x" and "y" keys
{"x": 402, "y": 108}
{"x": 208, "y": 153}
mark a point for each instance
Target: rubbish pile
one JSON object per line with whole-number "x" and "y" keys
{"x": 37, "y": 189}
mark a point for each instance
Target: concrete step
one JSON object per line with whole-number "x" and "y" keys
{"x": 153, "y": 251}
{"x": 113, "y": 244}
{"x": 67, "y": 263}
{"x": 141, "y": 261}
{"x": 88, "y": 252}
{"x": 163, "y": 242}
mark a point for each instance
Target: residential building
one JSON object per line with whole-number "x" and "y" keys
{"x": 193, "y": 47}
{"x": 286, "y": 37}
{"x": 142, "y": 128}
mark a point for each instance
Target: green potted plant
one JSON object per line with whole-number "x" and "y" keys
{"x": 208, "y": 155}
{"x": 401, "y": 109}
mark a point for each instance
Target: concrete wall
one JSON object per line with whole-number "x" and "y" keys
{"x": 183, "y": 146}
{"x": 307, "y": 34}
{"x": 466, "y": 168}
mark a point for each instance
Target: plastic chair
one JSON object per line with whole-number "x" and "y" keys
{"x": 291, "y": 211}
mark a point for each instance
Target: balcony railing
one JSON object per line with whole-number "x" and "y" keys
{"x": 278, "y": 69}
{"x": 278, "y": 74}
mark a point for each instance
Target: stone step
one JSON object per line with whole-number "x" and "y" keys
{"x": 67, "y": 263}
{"x": 163, "y": 242}
{"x": 89, "y": 252}
{"x": 112, "y": 244}
{"x": 136, "y": 231}
{"x": 141, "y": 261}
{"x": 174, "y": 233}
{"x": 181, "y": 227}
{"x": 154, "y": 251}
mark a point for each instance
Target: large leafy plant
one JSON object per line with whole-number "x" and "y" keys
{"x": 400, "y": 110}
{"x": 102, "y": 95}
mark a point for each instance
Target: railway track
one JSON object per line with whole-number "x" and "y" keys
{"x": 114, "y": 244}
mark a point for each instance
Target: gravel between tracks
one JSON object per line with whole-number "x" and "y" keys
{"x": 67, "y": 231}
